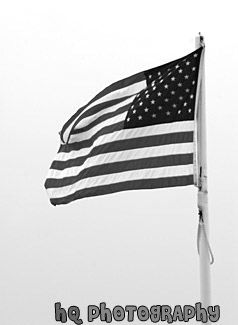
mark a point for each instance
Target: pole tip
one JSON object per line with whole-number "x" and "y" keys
{"x": 201, "y": 39}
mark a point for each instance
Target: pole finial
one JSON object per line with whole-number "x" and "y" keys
{"x": 201, "y": 39}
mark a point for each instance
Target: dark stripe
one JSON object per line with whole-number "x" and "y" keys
{"x": 128, "y": 144}
{"x": 126, "y": 186}
{"x": 67, "y": 124}
{"x": 95, "y": 109}
{"x": 120, "y": 84}
{"x": 101, "y": 119}
{"x": 88, "y": 143}
{"x": 118, "y": 167}
{"x": 115, "y": 86}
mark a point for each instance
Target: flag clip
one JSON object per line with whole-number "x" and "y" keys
{"x": 200, "y": 215}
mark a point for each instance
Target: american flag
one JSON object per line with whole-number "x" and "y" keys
{"x": 138, "y": 133}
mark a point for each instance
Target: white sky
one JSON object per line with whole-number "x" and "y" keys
{"x": 127, "y": 248}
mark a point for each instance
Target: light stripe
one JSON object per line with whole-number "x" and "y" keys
{"x": 87, "y": 120}
{"x": 128, "y": 144}
{"x": 158, "y": 151}
{"x": 158, "y": 129}
{"x": 117, "y": 167}
{"x": 88, "y": 134}
{"x": 171, "y": 171}
{"x": 126, "y": 186}
{"x": 119, "y": 93}
{"x": 122, "y": 92}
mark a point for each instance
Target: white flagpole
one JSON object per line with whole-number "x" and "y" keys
{"x": 204, "y": 254}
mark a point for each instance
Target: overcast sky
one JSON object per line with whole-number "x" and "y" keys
{"x": 135, "y": 247}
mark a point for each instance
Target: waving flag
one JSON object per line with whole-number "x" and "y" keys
{"x": 138, "y": 133}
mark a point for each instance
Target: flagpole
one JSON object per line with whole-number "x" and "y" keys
{"x": 203, "y": 244}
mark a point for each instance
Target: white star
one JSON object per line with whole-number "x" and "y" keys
{"x": 187, "y": 90}
{"x": 159, "y": 73}
{"x": 134, "y": 111}
{"x": 168, "y": 112}
{"x": 191, "y": 96}
{"x": 154, "y": 88}
{"x": 146, "y": 92}
{"x": 181, "y": 98}
{"x": 193, "y": 68}
{"x": 139, "y": 117}
{"x": 189, "y": 110}
{"x": 177, "y": 66}
{"x": 147, "y": 96}
{"x": 195, "y": 55}
{"x": 185, "y": 104}
{"x": 166, "y": 86}
{"x": 146, "y": 109}
{"x": 174, "y": 105}
{"x": 150, "y": 76}
{"x": 141, "y": 103}
{"x": 173, "y": 78}
{"x": 187, "y": 63}
{"x": 186, "y": 77}
{"x": 159, "y": 94}
{"x": 152, "y": 102}
{"x": 172, "y": 92}
{"x": 160, "y": 108}
{"x": 161, "y": 80}
{"x": 132, "y": 106}
{"x": 180, "y": 71}
{"x": 166, "y": 100}
{"x": 179, "y": 112}
{"x": 153, "y": 115}
{"x": 128, "y": 119}
{"x": 193, "y": 82}
{"x": 179, "y": 84}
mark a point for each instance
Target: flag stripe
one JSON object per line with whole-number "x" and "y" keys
{"x": 132, "y": 175}
{"x": 121, "y": 84}
{"x": 133, "y": 154}
{"x": 86, "y": 144}
{"x": 120, "y": 93}
{"x": 112, "y": 111}
{"x": 110, "y": 168}
{"x": 125, "y": 186}
{"x": 88, "y": 134}
{"x": 116, "y": 132}
{"x": 97, "y": 110}
{"x": 150, "y": 141}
